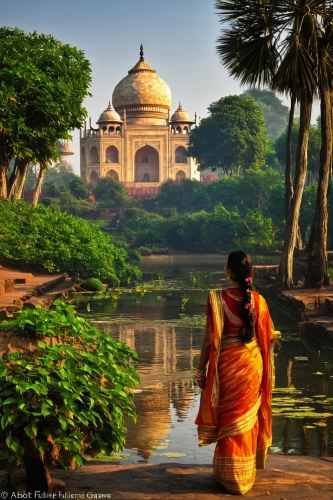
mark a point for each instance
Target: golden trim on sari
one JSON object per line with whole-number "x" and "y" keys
{"x": 243, "y": 424}
{"x": 237, "y": 474}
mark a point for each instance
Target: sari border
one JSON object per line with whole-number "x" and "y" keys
{"x": 243, "y": 424}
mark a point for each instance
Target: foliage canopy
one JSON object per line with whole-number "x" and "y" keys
{"x": 232, "y": 137}
{"x": 43, "y": 83}
{"x": 56, "y": 241}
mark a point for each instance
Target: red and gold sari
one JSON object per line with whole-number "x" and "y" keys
{"x": 235, "y": 408}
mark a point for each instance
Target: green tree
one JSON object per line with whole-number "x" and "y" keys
{"x": 275, "y": 113}
{"x": 317, "y": 269}
{"x": 110, "y": 192}
{"x": 78, "y": 188}
{"x": 233, "y": 137}
{"x": 61, "y": 173}
{"x": 313, "y": 149}
{"x": 285, "y": 36}
{"x": 43, "y": 85}
{"x": 184, "y": 195}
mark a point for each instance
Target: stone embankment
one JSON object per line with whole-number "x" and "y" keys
{"x": 285, "y": 478}
{"x": 20, "y": 290}
{"x": 312, "y": 308}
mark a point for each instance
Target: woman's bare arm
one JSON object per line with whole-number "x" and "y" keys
{"x": 206, "y": 344}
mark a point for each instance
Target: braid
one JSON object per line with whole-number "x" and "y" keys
{"x": 241, "y": 267}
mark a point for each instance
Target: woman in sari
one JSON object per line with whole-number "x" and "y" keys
{"x": 236, "y": 374}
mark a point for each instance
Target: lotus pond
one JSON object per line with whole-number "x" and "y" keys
{"x": 163, "y": 320}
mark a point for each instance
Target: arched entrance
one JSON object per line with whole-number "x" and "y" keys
{"x": 93, "y": 178}
{"x": 147, "y": 165}
{"x": 113, "y": 174}
{"x": 180, "y": 175}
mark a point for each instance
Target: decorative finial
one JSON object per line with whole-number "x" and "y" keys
{"x": 109, "y": 104}
{"x": 180, "y": 106}
{"x": 141, "y": 53}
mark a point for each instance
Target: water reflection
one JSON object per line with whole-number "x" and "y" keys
{"x": 167, "y": 357}
{"x": 167, "y": 400}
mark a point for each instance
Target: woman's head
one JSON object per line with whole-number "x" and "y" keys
{"x": 239, "y": 266}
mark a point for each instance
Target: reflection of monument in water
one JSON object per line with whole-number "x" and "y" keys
{"x": 166, "y": 357}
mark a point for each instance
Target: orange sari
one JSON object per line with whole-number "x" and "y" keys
{"x": 235, "y": 408}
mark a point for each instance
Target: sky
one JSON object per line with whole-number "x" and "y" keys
{"x": 179, "y": 39}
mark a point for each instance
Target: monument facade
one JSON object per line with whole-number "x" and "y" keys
{"x": 137, "y": 142}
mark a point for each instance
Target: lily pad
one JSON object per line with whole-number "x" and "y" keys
{"x": 173, "y": 455}
{"x": 115, "y": 457}
{"x": 287, "y": 390}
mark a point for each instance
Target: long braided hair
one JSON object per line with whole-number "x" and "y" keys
{"x": 240, "y": 266}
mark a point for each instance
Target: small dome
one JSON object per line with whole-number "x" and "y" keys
{"x": 64, "y": 147}
{"x": 109, "y": 115}
{"x": 180, "y": 116}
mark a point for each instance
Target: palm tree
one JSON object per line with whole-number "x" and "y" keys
{"x": 273, "y": 42}
{"x": 317, "y": 269}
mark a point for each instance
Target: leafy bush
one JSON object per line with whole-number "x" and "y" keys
{"x": 56, "y": 241}
{"x": 92, "y": 285}
{"x": 225, "y": 229}
{"x": 66, "y": 395}
{"x": 110, "y": 192}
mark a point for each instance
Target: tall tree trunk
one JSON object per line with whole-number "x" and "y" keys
{"x": 38, "y": 187}
{"x": 286, "y": 263}
{"x": 289, "y": 159}
{"x": 17, "y": 180}
{"x": 3, "y": 179}
{"x": 23, "y": 171}
{"x": 317, "y": 269}
{"x": 11, "y": 180}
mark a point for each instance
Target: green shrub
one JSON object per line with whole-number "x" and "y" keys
{"x": 56, "y": 241}
{"x": 92, "y": 285}
{"x": 69, "y": 393}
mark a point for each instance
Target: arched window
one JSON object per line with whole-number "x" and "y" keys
{"x": 83, "y": 157}
{"x": 145, "y": 159}
{"x": 118, "y": 130}
{"x": 172, "y": 130}
{"x": 112, "y": 155}
{"x": 111, "y": 130}
{"x": 93, "y": 178}
{"x": 185, "y": 130}
{"x": 180, "y": 175}
{"x": 180, "y": 155}
{"x": 105, "y": 129}
{"x": 113, "y": 174}
{"x": 178, "y": 130}
{"x": 94, "y": 158}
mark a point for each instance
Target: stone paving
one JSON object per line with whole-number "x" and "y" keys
{"x": 285, "y": 478}
{"x": 30, "y": 290}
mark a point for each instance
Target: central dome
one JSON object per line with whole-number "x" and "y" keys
{"x": 143, "y": 94}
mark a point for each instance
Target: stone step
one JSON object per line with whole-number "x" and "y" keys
{"x": 19, "y": 278}
{"x": 6, "y": 286}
